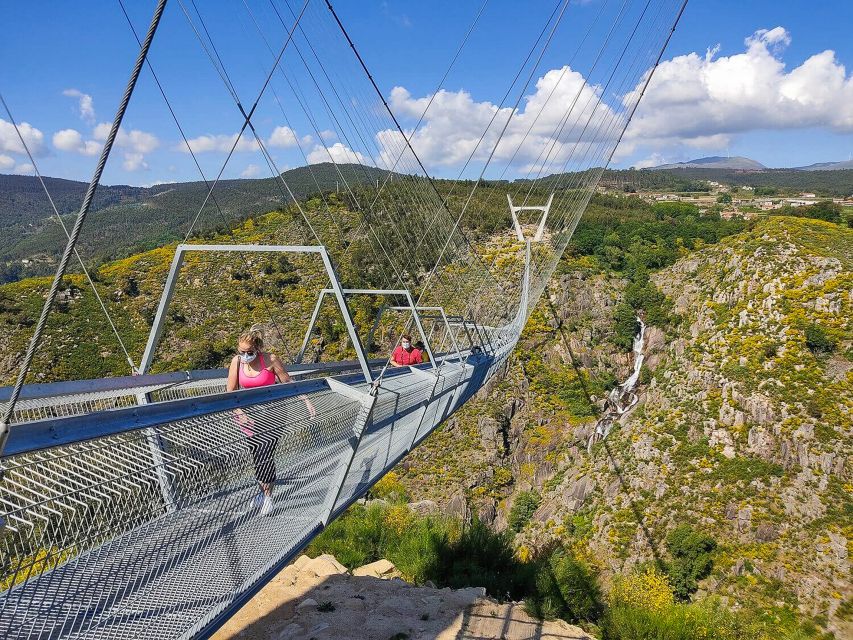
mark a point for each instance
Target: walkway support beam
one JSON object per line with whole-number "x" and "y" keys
{"x": 336, "y": 290}
{"x": 362, "y": 423}
{"x": 370, "y": 292}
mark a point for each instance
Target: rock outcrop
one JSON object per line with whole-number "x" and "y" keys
{"x": 300, "y": 603}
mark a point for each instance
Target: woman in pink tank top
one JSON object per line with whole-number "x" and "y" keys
{"x": 251, "y": 367}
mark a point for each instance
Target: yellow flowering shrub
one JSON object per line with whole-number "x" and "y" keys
{"x": 390, "y": 488}
{"x": 648, "y": 590}
{"x": 398, "y": 518}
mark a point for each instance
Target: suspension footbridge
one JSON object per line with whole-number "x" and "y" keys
{"x": 128, "y": 503}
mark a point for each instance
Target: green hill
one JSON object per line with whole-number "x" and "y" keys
{"x": 125, "y": 220}
{"x": 834, "y": 183}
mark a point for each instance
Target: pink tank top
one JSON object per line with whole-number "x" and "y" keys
{"x": 265, "y": 376}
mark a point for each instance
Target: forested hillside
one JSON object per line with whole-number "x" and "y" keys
{"x": 126, "y": 220}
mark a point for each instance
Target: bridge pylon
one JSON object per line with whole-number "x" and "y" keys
{"x": 540, "y": 229}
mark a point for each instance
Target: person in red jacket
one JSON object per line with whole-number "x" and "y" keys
{"x": 406, "y": 354}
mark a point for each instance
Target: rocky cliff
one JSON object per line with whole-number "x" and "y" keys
{"x": 743, "y": 428}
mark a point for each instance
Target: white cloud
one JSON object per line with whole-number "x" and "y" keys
{"x": 85, "y": 104}
{"x": 72, "y": 140}
{"x": 282, "y": 137}
{"x": 555, "y": 122}
{"x": 694, "y": 102}
{"x": 221, "y": 142}
{"x": 328, "y": 135}
{"x": 134, "y": 140}
{"x": 10, "y": 143}
{"x": 24, "y": 169}
{"x": 134, "y": 162}
{"x": 251, "y": 171}
{"x": 340, "y": 153}
{"x": 6, "y": 162}
{"x": 702, "y": 101}
{"x": 134, "y": 143}
{"x": 654, "y": 160}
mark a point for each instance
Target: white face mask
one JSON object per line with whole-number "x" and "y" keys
{"x": 246, "y": 358}
{"x": 406, "y": 344}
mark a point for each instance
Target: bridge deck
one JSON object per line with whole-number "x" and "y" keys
{"x": 183, "y": 567}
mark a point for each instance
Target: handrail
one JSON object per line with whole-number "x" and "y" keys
{"x": 118, "y": 383}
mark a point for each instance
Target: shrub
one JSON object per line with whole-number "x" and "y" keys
{"x": 626, "y": 326}
{"x": 481, "y": 557}
{"x": 390, "y": 488}
{"x": 355, "y": 539}
{"x": 706, "y": 621}
{"x": 817, "y": 341}
{"x": 649, "y": 590}
{"x": 692, "y": 559}
{"x": 523, "y": 508}
{"x": 565, "y": 588}
{"x": 427, "y": 548}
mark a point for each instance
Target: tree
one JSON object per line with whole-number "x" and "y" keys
{"x": 522, "y": 510}
{"x": 566, "y": 588}
{"x": 724, "y": 198}
{"x": 824, "y": 210}
{"x": 626, "y": 326}
{"x": 692, "y": 559}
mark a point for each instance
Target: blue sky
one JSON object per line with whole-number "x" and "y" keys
{"x": 64, "y": 66}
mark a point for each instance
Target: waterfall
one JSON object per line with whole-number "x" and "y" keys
{"x": 622, "y": 397}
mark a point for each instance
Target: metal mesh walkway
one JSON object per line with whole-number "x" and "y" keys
{"x": 95, "y": 547}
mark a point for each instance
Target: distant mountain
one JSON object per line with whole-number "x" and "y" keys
{"x": 715, "y": 162}
{"x": 828, "y": 166}
{"x": 22, "y": 198}
{"x": 124, "y": 219}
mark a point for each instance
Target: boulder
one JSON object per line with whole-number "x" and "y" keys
{"x": 458, "y": 507}
{"x": 308, "y": 603}
{"x": 488, "y": 512}
{"x": 379, "y": 569}
{"x": 424, "y": 507}
{"x": 766, "y": 532}
{"x": 760, "y": 408}
{"x": 324, "y": 565}
{"x": 655, "y": 339}
{"x": 489, "y": 430}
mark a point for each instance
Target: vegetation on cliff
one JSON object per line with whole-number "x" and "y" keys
{"x": 743, "y": 430}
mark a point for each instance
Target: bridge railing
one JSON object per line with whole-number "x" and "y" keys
{"x": 77, "y": 397}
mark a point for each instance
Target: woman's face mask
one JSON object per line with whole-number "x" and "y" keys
{"x": 247, "y": 356}
{"x": 407, "y": 344}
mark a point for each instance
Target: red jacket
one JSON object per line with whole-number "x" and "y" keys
{"x": 401, "y": 356}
